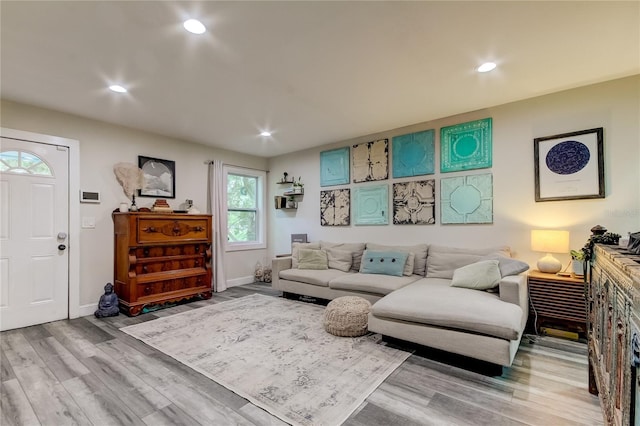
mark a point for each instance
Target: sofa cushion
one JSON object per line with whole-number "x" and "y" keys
{"x": 295, "y": 251}
{"x": 339, "y": 259}
{"x": 481, "y": 275}
{"x": 312, "y": 259}
{"x": 419, "y": 251}
{"x": 310, "y": 276}
{"x": 371, "y": 283}
{"x": 383, "y": 262}
{"x": 442, "y": 261}
{"x": 356, "y": 250}
{"x": 508, "y": 266}
{"x": 433, "y": 301}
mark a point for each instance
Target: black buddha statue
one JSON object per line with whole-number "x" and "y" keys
{"x": 108, "y": 304}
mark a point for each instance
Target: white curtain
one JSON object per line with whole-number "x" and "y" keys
{"x": 216, "y": 206}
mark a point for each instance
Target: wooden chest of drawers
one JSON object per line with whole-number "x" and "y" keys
{"x": 161, "y": 258}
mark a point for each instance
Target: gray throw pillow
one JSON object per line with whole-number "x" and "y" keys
{"x": 508, "y": 265}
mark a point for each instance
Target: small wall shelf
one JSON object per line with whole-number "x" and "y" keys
{"x": 289, "y": 198}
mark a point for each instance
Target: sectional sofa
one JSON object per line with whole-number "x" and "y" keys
{"x": 472, "y": 302}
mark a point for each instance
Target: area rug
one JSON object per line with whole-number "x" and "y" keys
{"x": 275, "y": 353}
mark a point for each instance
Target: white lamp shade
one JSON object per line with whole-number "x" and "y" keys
{"x": 549, "y": 241}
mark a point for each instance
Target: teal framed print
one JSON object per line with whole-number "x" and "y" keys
{"x": 466, "y": 199}
{"x": 413, "y": 154}
{"x": 334, "y": 167}
{"x": 371, "y": 205}
{"x": 466, "y": 146}
{"x": 371, "y": 161}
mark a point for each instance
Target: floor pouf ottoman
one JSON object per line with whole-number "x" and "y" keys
{"x": 347, "y": 316}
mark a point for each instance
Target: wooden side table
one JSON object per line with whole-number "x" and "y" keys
{"x": 557, "y": 300}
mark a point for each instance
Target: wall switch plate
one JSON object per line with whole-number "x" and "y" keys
{"x": 88, "y": 222}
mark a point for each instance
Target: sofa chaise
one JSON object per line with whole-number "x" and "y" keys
{"x": 472, "y": 302}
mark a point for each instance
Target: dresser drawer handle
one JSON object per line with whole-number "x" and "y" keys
{"x": 147, "y": 290}
{"x": 146, "y": 252}
{"x": 197, "y": 249}
{"x": 144, "y": 268}
{"x": 198, "y": 229}
{"x": 150, "y": 229}
{"x": 197, "y": 263}
{"x": 176, "y": 228}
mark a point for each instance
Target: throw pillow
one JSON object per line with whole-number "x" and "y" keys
{"x": 312, "y": 259}
{"x": 383, "y": 262}
{"x": 356, "y": 250}
{"x": 419, "y": 250}
{"x": 481, "y": 275}
{"x": 508, "y": 266}
{"x": 295, "y": 249}
{"x": 408, "y": 266}
{"x": 339, "y": 259}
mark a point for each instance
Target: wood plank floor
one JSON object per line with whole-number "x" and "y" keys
{"x": 85, "y": 371}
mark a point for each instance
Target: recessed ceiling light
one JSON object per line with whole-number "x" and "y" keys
{"x": 194, "y": 26}
{"x": 117, "y": 88}
{"x": 265, "y": 134}
{"x": 486, "y": 67}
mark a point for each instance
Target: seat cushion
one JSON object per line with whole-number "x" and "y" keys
{"x": 310, "y": 276}
{"x": 434, "y": 302}
{"x": 371, "y": 283}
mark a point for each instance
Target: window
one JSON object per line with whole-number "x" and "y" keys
{"x": 22, "y": 162}
{"x": 246, "y": 219}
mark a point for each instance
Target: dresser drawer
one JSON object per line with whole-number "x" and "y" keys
{"x": 173, "y": 263}
{"x": 152, "y": 290}
{"x": 147, "y": 252}
{"x": 154, "y": 230}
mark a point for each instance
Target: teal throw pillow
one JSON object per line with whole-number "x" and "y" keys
{"x": 481, "y": 275}
{"x": 383, "y": 262}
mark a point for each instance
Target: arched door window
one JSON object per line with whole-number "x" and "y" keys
{"x": 22, "y": 162}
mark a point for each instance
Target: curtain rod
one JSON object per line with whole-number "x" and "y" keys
{"x": 234, "y": 165}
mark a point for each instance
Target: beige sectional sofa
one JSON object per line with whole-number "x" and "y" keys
{"x": 422, "y": 306}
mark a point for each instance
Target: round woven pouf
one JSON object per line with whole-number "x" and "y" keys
{"x": 347, "y": 316}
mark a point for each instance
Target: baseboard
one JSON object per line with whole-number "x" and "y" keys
{"x": 240, "y": 281}
{"x": 89, "y": 309}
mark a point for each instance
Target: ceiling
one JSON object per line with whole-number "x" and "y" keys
{"x": 312, "y": 73}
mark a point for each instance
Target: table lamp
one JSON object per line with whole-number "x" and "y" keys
{"x": 549, "y": 241}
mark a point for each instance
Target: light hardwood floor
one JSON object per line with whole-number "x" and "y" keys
{"x": 85, "y": 371}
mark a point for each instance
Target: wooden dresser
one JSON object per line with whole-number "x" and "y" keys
{"x": 161, "y": 258}
{"x": 614, "y": 324}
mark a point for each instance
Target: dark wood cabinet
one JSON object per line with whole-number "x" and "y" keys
{"x": 161, "y": 258}
{"x": 557, "y": 300}
{"x": 614, "y": 327}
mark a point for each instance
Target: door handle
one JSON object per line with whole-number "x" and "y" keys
{"x": 62, "y": 235}
{"x": 62, "y": 247}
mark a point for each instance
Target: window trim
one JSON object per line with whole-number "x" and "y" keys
{"x": 261, "y": 211}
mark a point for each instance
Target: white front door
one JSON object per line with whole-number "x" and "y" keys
{"x": 34, "y": 223}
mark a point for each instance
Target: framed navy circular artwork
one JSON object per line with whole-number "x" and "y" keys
{"x": 568, "y": 157}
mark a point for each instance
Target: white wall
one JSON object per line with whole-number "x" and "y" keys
{"x": 101, "y": 146}
{"x": 614, "y": 105}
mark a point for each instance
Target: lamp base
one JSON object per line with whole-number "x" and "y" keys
{"x": 549, "y": 264}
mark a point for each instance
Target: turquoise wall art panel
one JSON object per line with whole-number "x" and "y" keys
{"x": 371, "y": 205}
{"x": 414, "y": 203}
{"x": 334, "y": 167}
{"x": 466, "y": 146}
{"x": 335, "y": 207}
{"x": 371, "y": 161}
{"x": 413, "y": 154}
{"x": 466, "y": 199}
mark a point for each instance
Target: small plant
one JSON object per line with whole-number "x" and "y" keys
{"x": 577, "y": 254}
{"x": 609, "y": 238}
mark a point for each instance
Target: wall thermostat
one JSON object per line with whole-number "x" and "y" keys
{"x": 89, "y": 196}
